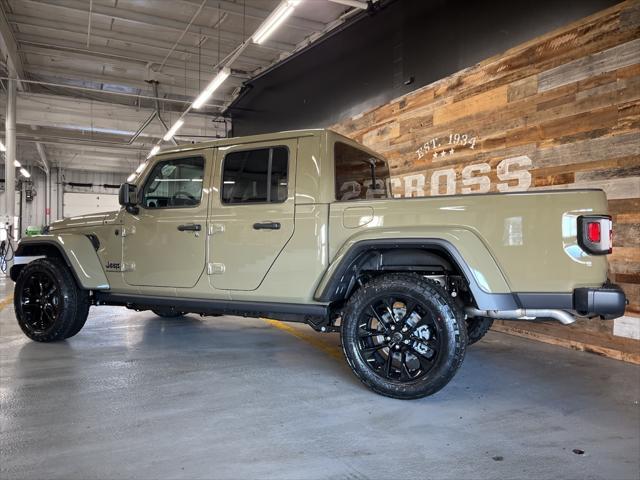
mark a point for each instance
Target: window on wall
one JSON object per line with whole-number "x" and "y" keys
{"x": 256, "y": 176}
{"x": 174, "y": 183}
{"x": 360, "y": 175}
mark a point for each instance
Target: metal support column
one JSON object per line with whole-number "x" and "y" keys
{"x": 10, "y": 156}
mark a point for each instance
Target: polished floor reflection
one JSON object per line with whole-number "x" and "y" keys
{"x": 137, "y": 396}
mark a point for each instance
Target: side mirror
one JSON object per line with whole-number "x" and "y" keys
{"x": 128, "y": 196}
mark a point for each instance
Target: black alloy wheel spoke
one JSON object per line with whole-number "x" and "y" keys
{"x": 38, "y": 300}
{"x": 425, "y": 362}
{"x": 379, "y": 318}
{"x": 388, "y": 363}
{"x": 389, "y": 307}
{"x": 364, "y": 331}
{"x": 410, "y": 308}
{"x": 370, "y": 335}
{"x": 51, "y": 291}
{"x": 404, "y": 371}
{"x": 373, "y": 348}
{"x": 388, "y": 344}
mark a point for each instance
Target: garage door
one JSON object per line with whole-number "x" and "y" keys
{"x": 83, "y": 203}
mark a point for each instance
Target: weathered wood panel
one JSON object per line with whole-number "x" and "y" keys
{"x": 563, "y": 111}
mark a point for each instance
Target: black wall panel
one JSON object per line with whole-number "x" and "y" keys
{"x": 405, "y": 45}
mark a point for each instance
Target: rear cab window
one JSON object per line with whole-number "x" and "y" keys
{"x": 359, "y": 174}
{"x": 256, "y": 176}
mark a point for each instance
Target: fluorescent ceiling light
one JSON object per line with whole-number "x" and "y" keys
{"x": 172, "y": 131}
{"x": 153, "y": 151}
{"x": 25, "y": 173}
{"x": 141, "y": 167}
{"x": 17, "y": 163}
{"x": 2, "y": 147}
{"x": 215, "y": 83}
{"x": 273, "y": 21}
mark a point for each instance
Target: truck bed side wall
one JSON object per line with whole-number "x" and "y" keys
{"x": 530, "y": 237}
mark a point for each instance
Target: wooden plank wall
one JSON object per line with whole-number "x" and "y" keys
{"x": 562, "y": 110}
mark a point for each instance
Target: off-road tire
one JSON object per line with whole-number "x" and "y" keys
{"x": 477, "y": 327}
{"x": 72, "y": 307}
{"x": 444, "y": 312}
{"x": 168, "y": 313}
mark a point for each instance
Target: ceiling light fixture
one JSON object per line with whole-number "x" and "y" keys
{"x": 153, "y": 151}
{"x": 2, "y": 147}
{"x": 215, "y": 83}
{"x": 273, "y": 21}
{"x": 17, "y": 163}
{"x": 24, "y": 173}
{"x": 172, "y": 131}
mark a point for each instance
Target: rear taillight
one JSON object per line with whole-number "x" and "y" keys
{"x": 593, "y": 231}
{"x": 595, "y": 234}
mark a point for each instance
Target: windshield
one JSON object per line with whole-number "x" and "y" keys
{"x": 360, "y": 175}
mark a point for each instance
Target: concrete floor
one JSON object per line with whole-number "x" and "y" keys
{"x": 136, "y": 396}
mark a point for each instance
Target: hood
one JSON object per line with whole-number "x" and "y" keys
{"x": 90, "y": 220}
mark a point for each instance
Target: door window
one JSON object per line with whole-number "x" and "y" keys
{"x": 174, "y": 184}
{"x": 256, "y": 176}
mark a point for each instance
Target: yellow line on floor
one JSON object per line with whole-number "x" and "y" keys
{"x": 311, "y": 338}
{"x": 6, "y": 301}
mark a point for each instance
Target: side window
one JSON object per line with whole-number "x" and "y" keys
{"x": 174, "y": 184}
{"x": 256, "y": 176}
{"x": 359, "y": 175}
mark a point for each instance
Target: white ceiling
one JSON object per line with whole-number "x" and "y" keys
{"x": 106, "y": 46}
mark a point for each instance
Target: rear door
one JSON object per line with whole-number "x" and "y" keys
{"x": 252, "y": 217}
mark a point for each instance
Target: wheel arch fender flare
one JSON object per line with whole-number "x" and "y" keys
{"x": 77, "y": 251}
{"x": 486, "y": 282}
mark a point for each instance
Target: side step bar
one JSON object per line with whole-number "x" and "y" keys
{"x": 523, "y": 314}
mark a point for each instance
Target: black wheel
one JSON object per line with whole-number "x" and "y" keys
{"x": 477, "y": 327}
{"x": 49, "y": 306}
{"x": 168, "y": 313}
{"x": 403, "y": 336}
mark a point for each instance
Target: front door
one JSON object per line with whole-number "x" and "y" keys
{"x": 164, "y": 244}
{"x": 252, "y": 218}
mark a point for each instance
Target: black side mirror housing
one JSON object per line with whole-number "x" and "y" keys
{"x": 128, "y": 197}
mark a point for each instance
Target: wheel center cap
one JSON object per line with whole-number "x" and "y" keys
{"x": 396, "y": 337}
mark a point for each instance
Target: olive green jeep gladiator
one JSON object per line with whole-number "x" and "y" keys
{"x": 302, "y": 226}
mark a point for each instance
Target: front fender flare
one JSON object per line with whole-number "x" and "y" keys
{"x": 76, "y": 250}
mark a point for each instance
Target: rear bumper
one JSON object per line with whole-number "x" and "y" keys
{"x": 608, "y": 301}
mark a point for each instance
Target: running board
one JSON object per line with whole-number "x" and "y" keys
{"x": 294, "y": 312}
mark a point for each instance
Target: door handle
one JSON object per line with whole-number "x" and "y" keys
{"x": 266, "y": 226}
{"x": 190, "y": 227}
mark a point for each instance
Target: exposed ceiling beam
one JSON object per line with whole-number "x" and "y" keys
{"x": 93, "y": 117}
{"x": 138, "y": 95}
{"x": 186, "y": 29}
{"x": 9, "y": 46}
{"x": 151, "y": 20}
{"x": 124, "y": 58}
{"x": 53, "y": 28}
{"x": 259, "y": 14}
{"x": 352, "y": 3}
{"x": 63, "y": 75}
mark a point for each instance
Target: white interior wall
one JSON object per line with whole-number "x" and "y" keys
{"x": 98, "y": 180}
{"x": 33, "y": 213}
